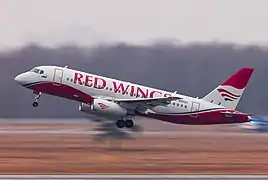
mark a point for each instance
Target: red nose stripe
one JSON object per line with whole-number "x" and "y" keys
{"x": 240, "y": 79}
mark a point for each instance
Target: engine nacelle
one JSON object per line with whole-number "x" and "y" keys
{"x": 103, "y": 107}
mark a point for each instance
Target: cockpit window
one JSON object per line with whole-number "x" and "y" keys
{"x": 37, "y": 71}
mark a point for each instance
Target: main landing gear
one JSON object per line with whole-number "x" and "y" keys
{"x": 36, "y": 98}
{"x": 128, "y": 123}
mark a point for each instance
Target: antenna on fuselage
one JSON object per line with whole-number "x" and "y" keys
{"x": 175, "y": 92}
{"x": 66, "y": 66}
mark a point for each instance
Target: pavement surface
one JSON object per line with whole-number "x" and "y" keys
{"x": 132, "y": 177}
{"x": 78, "y": 148}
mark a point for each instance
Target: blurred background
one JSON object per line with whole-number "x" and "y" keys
{"x": 193, "y": 70}
{"x": 187, "y": 46}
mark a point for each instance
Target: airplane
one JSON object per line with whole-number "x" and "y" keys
{"x": 123, "y": 101}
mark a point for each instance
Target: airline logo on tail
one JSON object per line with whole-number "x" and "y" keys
{"x": 238, "y": 81}
{"x": 230, "y": 91}
{"x": 103, "y": 106}
{"x": 227, "y": 95}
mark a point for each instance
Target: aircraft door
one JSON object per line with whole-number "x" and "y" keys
{"x": 194, "y": 109}
{"x": 57, "y": 79}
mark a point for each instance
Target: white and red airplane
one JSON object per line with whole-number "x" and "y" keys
{"x": 108, "y": 97}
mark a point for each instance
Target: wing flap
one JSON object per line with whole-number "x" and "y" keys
{"x": 148, "y": 103}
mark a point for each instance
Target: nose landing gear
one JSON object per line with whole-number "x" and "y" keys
{"x": 36, "y": 98}
{"x": 35, "y": 104}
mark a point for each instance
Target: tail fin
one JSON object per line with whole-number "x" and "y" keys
{"x": 230, "y": 91}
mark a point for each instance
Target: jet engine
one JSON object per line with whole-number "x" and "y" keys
{"x": 103, "y": 107}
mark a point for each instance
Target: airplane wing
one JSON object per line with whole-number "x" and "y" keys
{"x": 144, "y": 104}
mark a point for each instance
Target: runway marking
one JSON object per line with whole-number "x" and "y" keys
{"x": 125, "y": 176}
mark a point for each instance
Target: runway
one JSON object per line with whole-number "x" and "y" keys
{"x": 132, "y": 177}
{"x": 146, "y": 133}
{"x": 74, "y": 148}
{"x": 77, "y": 132}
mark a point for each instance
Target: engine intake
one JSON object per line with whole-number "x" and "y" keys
{"x": 103, "y": 107}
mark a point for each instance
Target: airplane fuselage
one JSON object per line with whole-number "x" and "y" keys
{"x": 85, "y": 87}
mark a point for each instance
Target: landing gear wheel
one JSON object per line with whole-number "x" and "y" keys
{"x": 120, "y": 123}
{"x": 35, "y": 104}
{"x": 129, "y": 123}
{"x": 36, "y": 98}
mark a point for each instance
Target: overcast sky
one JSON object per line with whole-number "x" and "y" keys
{"x": 137, "y": 21}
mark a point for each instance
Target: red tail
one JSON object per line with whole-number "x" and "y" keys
{"x": 240, "y": 79}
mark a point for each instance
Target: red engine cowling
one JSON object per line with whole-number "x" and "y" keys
{"x": 103, "y": 107}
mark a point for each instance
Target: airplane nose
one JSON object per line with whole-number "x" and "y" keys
{"x": 19, "y": 79}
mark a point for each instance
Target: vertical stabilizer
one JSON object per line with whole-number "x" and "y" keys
{"x": 230, "y": 91}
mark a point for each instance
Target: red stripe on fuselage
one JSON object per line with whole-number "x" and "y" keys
{"x": 202, "y": 118}
{"x": 62, "y": 90}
